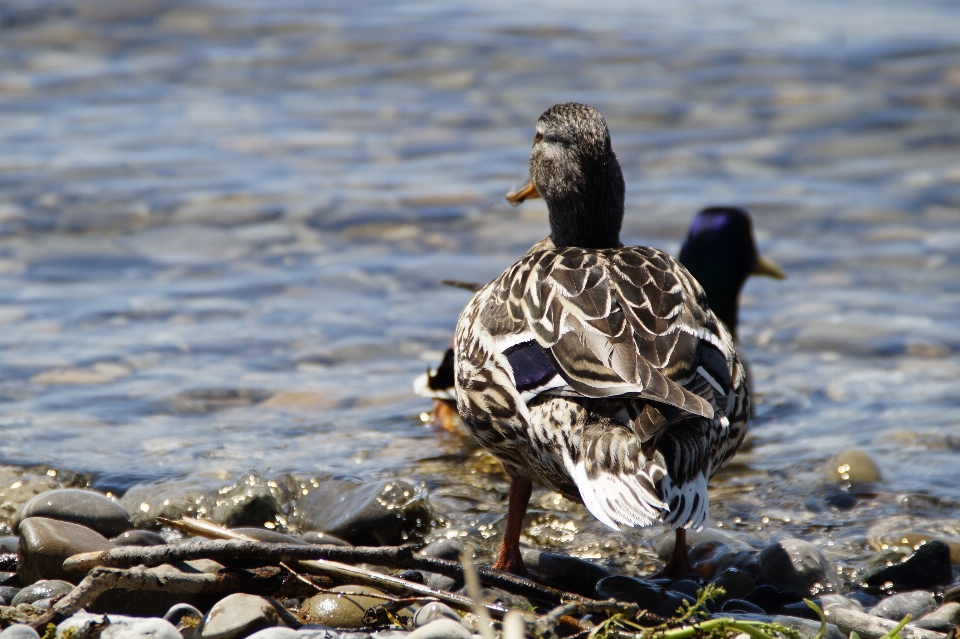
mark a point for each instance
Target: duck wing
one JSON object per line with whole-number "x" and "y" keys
{"x": 624, "y": 322}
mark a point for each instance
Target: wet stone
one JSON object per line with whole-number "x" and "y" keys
{"x": 85, "y": 624}
{"x": 433, "y": 611}
{"x": 665, "y": 543}
{"x": 793, "y": 564}
{"x": 145, "y": 502}
{"x": 441, "y": 629}
{"x": 927, "y": 567}
{"x": 43, "y": 589}
{"x": 46, "y": 543}
{"x": 450, "y": 549}
{"x": 852, "y": 467}
{"x": 19, "y": 631}
{"x": 9, "y": 543}
{"x": 139, "y": 538}
{"x": 770, "y": 598}
{"x": 564, "y": 572}
{"x": 239, "y": 615}
{"x": 411, "y": 575}
{"x": 318, "y": 537}
{"x": 185, "y": 618}
{"x": 7, "y": 593}
{"x": 896, "y": 607}
{"x": 343, "y": 607}
{"x": 739, "y": 605}
{"x": 736, "y": 583}
{"x": 650, "y": 596}
{"x": 245, "y": 505}
{"x": 85, "y": 507}
{"x": 381, "y": 513}
{"x": 441, "y": 582}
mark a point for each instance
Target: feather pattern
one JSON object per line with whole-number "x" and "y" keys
{"x": 602, "y": 374}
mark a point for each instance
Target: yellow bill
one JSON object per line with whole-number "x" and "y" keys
{"x": 768, "y": 268}
{"x": 526, "y": 191}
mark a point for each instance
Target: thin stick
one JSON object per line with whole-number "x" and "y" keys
{"x": 473, "y": 588}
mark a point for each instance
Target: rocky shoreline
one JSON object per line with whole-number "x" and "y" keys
{"x": 50, "y": 519}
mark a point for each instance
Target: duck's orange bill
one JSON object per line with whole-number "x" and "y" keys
{"x": 526, "y": 191}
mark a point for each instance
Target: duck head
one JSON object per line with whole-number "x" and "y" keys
{"x": 721, "y": 253}
{"x": 574, "y": 169}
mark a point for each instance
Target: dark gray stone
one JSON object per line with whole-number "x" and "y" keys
{"x": 564, "y": 572}
{"x": 43, "y": 589}
{"x": 649, "y": 596}
{"x": 948, "y": 612}
{"x": 927, "y": 567}
{"x": 46, "y": 543}
{"x": 441, "y": 582}
{"x": 736, "y": 583}
{"x": 245, "y": 505}
{"x": 896, "y": 607}
{"x": 794, "y": 564}
{"x": 441, "y": 629}
{"x": 239, "y": 615}
{"x": 326, "y": 539}
{"x": 139, "y": 538}
{"x": 19, "y": 631}
{"x": 9, "y": 543}
{"x": 85, "y": 507}
{"x": 382, "y": 513}
{"x": 7, "y": 593}
{"x": 739, "y": 605}
{"x": 171, "y": 499}
{"x": 450, "y": 549}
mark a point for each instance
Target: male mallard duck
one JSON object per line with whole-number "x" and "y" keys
{"x": 594, "y": 369}
{"x": 721, "y": 253}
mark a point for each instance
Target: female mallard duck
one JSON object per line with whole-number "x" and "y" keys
{"x": 594, "y": 369}
{"x": 719, "y": 251}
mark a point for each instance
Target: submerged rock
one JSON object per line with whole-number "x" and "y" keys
{"x": 46, "y": 543}
{"x": 927, "y": 567}
{"x": 382, "y": 513}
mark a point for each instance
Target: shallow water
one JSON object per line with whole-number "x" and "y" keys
{"x": 222, "y": 227}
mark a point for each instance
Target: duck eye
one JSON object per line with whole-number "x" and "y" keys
{"x": 538, "y": 137}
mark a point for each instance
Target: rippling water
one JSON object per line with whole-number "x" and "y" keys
{"x": 222, "y": 226}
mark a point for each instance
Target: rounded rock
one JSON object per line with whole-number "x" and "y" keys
{"x": 139, "y": 538}
{"x": 343, "y": 606}
{"x": 185, "y": 618}
{"x": 272, "y": 536}
{"x": 793, "y": 564}
{"x": 19, "y": 631}
{"x": 322, "y": 538}
{"x": 239, "y": 615}
{"x": 927, "y": 567}
{"x": 441, "y": 629}
{"x": 852, "y": 467}
{"x": 119, "y": 627}
{"x": 7, "y": 593}
{"x": 433, "y": 611}
{"x": 43, "y": 589}
{"x": 449, "y": 549}
{"x": 84, "y": 507}
{"x": 949, "y": 612}
{"x": 46, "y": 543}
{"x": 896, "y": 607}
{"x": 317, "y": 632}
{"x": 739, "y": 605}
{"x": 245, "y": 505}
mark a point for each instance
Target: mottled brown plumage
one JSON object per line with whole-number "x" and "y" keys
{"x": 594, "y": 369}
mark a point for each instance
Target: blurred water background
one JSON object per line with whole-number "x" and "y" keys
{"x": 223, "y": 224}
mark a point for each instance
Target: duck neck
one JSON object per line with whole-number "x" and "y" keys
{"x": 589, "y": 216}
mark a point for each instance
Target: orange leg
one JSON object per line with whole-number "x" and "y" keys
{"x": 510, "y": 559}
{"x": 679, "y": 564}
{"x": 444, "y": 415}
